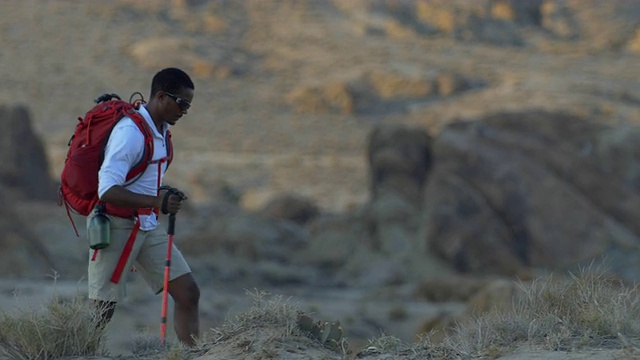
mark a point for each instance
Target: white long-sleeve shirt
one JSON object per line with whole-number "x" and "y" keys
{"x": 125, "y": 149}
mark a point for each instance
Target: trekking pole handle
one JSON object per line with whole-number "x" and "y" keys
{"x": 172, "y": 224}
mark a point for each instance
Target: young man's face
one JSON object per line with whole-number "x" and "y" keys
{"x": 174, "y": 106}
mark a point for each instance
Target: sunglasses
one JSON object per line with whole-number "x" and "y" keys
{"x": 183, "y": 104}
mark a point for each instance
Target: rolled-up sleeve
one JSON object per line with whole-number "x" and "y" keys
{"x": 124, "y": 149}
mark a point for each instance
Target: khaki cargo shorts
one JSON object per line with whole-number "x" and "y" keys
{"x": 148, "y": 256}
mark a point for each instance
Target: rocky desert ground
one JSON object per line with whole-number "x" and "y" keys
{"x": 287, "y": 191}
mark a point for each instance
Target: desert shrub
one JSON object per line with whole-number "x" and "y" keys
{"x": 491, "y": 335}
{"x": 182, "y": 352}
{"x": 425, "y": 349}
{"x": 589, "y": 309}
{"x": 387, "y": 344}
{"x": 269, "y": 329}
{"x": 147, "y": 345}
{"x": 63, "y": 327}
{"x": 267, "y": 312}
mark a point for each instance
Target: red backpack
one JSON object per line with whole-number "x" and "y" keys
{"x": 79, "y": 180}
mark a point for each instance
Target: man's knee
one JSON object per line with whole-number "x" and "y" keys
{"x": 193, "y": 293}
{"x": 185, "y": 291}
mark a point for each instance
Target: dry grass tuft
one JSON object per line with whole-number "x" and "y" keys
{"x": 268, "y": 329}
{"x": 587, "y": 310}
{"x": 268, "y": 311}
{"x": 147, "y": 345}
{"x": 387, "y": 344}
{"x": 64, "y": 327}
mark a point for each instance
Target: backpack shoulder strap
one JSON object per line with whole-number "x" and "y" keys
{"x": 169, "y": 144}
{"x": 137, "y": 169}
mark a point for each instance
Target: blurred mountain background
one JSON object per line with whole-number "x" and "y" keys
{"x": 383, "y": 160}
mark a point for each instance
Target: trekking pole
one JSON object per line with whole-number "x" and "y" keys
{"x": 165, "y": 288}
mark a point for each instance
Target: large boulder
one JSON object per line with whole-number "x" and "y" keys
{"x": 618, "y": 153}
{"x": 296, "y": 208}
{"x": 399, "y": 160}
{"x": 22, "y": 254}
{"x": 513, "y": 191}
{"x": 24, "y": 168}
{"x": 375, "y": 245}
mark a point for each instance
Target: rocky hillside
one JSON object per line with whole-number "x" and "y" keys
{"x": 347, "y": 144}
{"x": 287, "y": 91}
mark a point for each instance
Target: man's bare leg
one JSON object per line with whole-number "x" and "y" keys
{"x": 186, "y": 296}
{"x": 105, "y": 311}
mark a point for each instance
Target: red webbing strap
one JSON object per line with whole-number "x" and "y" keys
{"x": 159, "y": 162}
{"x": 159, "y": 182}
{"x": 169, "y": 149}
{"x": 148, "y": 152}
{"x": 62, "y": 199}
{"x": 66, "y": 205}
{"x": 88, "y": 122}
{"x": 128, "y": 247}
{"x": 126, "y": 252}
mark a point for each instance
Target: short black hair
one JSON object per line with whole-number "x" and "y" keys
{"x": 170, "y": 80}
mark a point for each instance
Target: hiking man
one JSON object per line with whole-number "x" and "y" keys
{"x": 137, "y": 239}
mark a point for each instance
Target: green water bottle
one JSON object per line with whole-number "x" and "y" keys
{"x": 98, "y": 229}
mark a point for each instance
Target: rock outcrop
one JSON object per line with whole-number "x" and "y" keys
{"x": 24, "y": 168}
{"x": 500, "y": 22}
{"x": 513, "y": 191}
{"x": 379, "y": 92}
{"x": 22, "y": 253}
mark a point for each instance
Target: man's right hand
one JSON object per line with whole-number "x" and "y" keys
{"x": 170, "y": 200}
